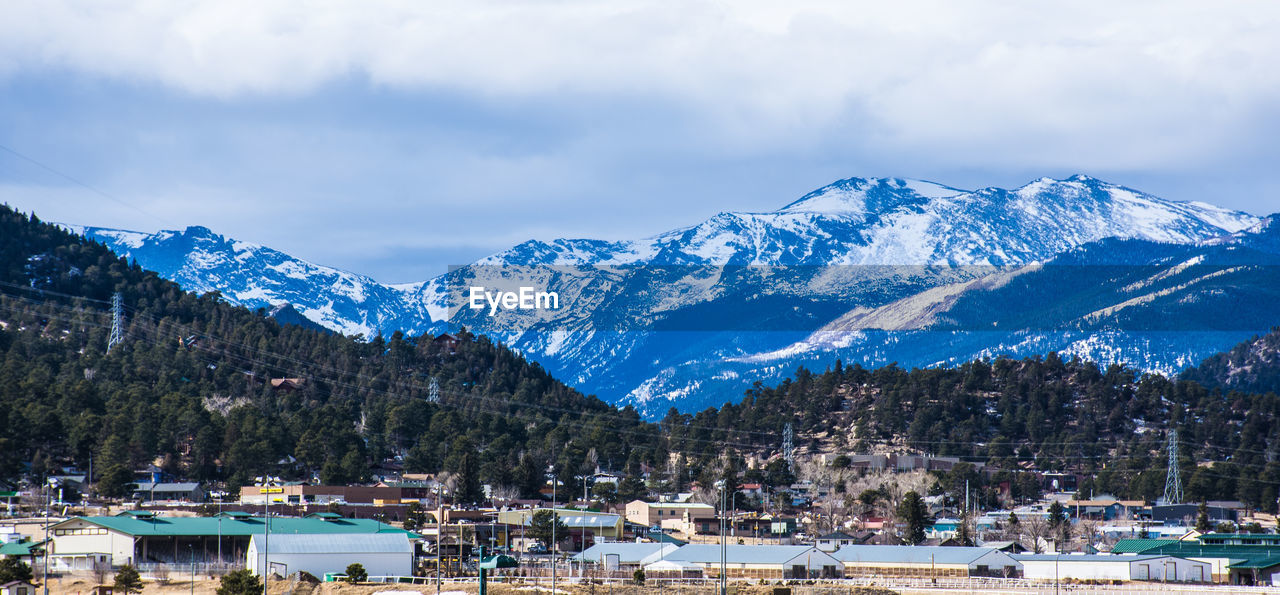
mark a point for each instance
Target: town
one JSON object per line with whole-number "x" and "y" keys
{"x": 407, "y": 528}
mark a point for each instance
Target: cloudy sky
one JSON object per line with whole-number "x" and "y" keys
{"x": 395, "y": 138}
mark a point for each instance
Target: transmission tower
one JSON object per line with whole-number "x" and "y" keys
{"x": 789, "y": 448}
{"x": 1173, "y": 478}
{"x": 117, "y": 321}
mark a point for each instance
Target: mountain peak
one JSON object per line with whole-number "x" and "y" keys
{"x": 863, "y": 196}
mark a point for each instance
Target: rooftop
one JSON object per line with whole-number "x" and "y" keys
{"x": 336, "y": 544}
{"x": 917, "y": 554}
{"x": 233, "y": 526}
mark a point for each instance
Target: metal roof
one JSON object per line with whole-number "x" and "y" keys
{"x": 590, "y": 520}
{"x": 1121, "y": 558}
{"x": 626, "y": 551}
{"x": 366, "y": 543}
{"x": 742, "y": 554}
{"x": 147, "y": 486}
{"x": 912, "y": 554}
{"x": 212, "y": 526}
{"x": 1135, "y": 546}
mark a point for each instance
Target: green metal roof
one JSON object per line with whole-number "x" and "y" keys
{"x": 1241, "y": 556}
{"x": 1137, "y": 546}
{"x": 20, "y": 548}
{"x": 162, "y": 526}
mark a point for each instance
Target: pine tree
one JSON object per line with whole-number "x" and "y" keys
{"x": 913, "y": 513}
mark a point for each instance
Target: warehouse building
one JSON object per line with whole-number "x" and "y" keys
{"x": 142, "y": 538}
{"x": 1238, "y": 559}
{"x": 758, "y": 561}
{"x": 1124, "y": 567}
{"x": 381, "y": 554}
{"x": 925, "y": 561}
{"x": 624, "y": 555}
{"x": 701, "y": 518}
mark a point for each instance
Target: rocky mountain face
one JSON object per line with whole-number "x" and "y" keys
{"x": 868, "y": 270}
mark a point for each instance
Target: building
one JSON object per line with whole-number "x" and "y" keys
{"x": 1235, "y": 558}
{"x": 600, "y": 525}
{"x": 381, "y": 554}
{"x": 316, "y": 494}
{"x": 925, "y": 561}
{"x": 624, "y": 556}
{"x": 1131, "y": 567}
{"x": 142, "y": 538}
{"x": 18, "y": 588}
{"x": 149, "y": 491}
{"x": 836, "y": 540}
{"x": 1176, "y": 513}
{"x": 771, "y": 562}
{"x": 699, "y": 517}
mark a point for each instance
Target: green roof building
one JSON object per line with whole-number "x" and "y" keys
{"x": 143, "y": 538}
{"x": 1237, "y": 558}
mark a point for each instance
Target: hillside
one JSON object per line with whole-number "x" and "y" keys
{"x": 1253, "y": 366}
{"x": 662, "y": 321}
{"x": 214, "y": 391}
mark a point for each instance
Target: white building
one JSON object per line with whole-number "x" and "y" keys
{"x": 925, "y": 561}
{"x": 1123, "y": 567}
{"x": 758, "y": 561}
{"x": 624, "y": 555}
{"x": 381, "y": 554}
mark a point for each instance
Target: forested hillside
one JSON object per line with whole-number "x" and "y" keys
{"x": 1252, "y": 366}
{"x": 192, "y": 386}
{"x": 1047, "y": 414}
{"x": 216, "y": 392}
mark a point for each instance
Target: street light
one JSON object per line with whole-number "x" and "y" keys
{"x": 269, "y": 485}
{"x": 51, "y": 485}
{"x": 721, "y": 484}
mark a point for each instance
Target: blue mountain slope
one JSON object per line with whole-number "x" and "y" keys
{"x": 690, "y": 316}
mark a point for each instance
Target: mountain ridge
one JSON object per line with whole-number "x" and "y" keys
{"x": 855, "y": 243}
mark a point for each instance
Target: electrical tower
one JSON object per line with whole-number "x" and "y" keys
{"x": 789, "y": 448}
{"x": 117, "y": 321}
{"x": 1173, "y": 479}
{"x": 433, "y": 391}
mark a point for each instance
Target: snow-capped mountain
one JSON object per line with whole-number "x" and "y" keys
{"x": 691, "y": 316}
{"x": 257, "y": 276}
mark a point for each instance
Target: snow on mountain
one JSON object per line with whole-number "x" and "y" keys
{"x": 861, "y": 254}
{"x": 257, "y": 276}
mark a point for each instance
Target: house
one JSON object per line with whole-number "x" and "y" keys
{"x": 1137, "y": 567}
{"x": 700, "y": 517}
{"x": 25, "y": 551}
{"x": 836, "y": 540}
{"x": 148, "y": 491}
{"x": 446, "y": 342}
{"x": 141, "y": 538}
{"x": 772, "y": 562}
{"x": 925, "y": 561}
{"x": 381, "y": 554}
{"x": 18, "y": 588}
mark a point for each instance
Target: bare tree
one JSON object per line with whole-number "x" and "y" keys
{"x": 1035, "y": 529}
{"x": 100, "y": 570}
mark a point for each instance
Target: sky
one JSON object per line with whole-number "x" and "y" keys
{"x": 397, "y": 138}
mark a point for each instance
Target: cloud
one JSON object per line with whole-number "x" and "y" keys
{"x": 349, "y": 132}
{"x": 907, "y": 74}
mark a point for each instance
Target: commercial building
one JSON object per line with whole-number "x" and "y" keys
{"x": 925, "y": 561}
{"x": 141, "y": 538}
{"x": 316, "y": 494}
{"x": 701, "y": 518}
{"x": 1123, "y": 567}
{"x": 624, "y": 556}
{"x": 600, "y": 526}
{"x": 1235, "y": 558}
{"x": 149, "y": 491}
{"x": 381, "y": 554}
{"x": 773, "y": 562}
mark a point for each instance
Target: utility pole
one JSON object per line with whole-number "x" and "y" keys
{"x": 48, "y": 490}
{"x": 439, "y": 531}
{"x": 555, "y": 518}
{"x": 268, "y": 485}
{"x": 117, "y": 321}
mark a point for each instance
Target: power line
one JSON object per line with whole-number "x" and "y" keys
{"x": 79, "y": 183}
